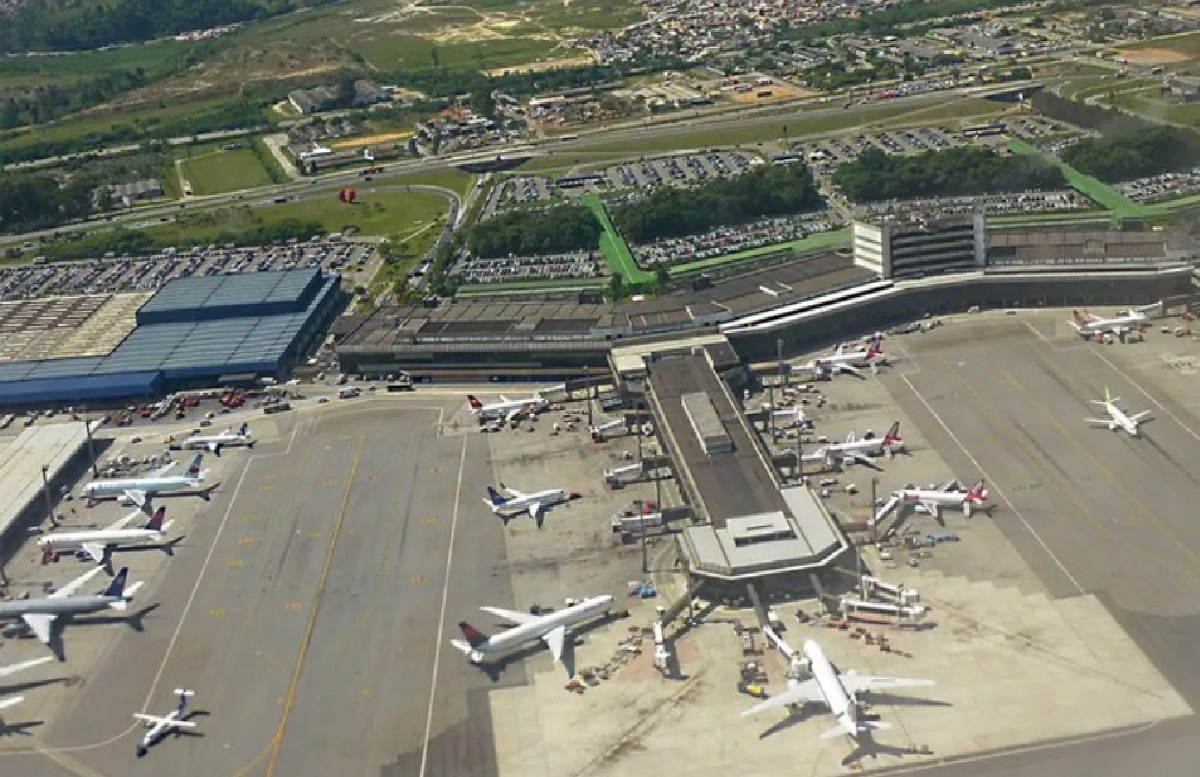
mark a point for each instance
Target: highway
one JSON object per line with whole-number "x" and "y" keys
{"x": 330, "y": 182}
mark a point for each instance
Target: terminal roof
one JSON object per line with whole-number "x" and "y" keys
{"x": 21, "y": 465}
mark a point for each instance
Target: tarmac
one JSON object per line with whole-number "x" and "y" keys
{"x": 310, "y": 607}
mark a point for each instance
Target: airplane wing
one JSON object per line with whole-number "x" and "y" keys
{"x": 562, "y": 647}
{"x": 858, "y": 458}
{"x": 512, "y": 492}
{"x": 70, "y": 588}
{"x": 40, "y": 624}
{"x": 137, "y": 497}
{"x": 948, "y": 485}
{"x": 1139, "y": 417}
{"x": 807, "y": 692}
{"x": 850, "y": 368}
{"x": 1098, "y": 421}
{"x": 512, "y": 616}
{"x": 512, "y": 415}
{"x": 213, "y": 446}
{"x": 931, "y": 508}
{"x": 158, "y": 720}
{"x": 5, "y": 671}
{"x": 9, "y": 702}
{"x": 535, "y": 512}
{"x": 163, "y": 470}
{"x": 856, "y": 683}
{"x": 96, "y": 551}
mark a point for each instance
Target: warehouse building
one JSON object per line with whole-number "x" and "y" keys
{"x": 196, "y": 332}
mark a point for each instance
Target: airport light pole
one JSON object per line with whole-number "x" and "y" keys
{"x": 874, "y": 511}
{"x": 46, "y": 492}
{"x": 588, "y": 393}
{"x": 87, "y": 427}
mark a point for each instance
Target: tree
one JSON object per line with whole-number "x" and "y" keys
{"x": 616, "y": 287}
{"x": 662, "y": 278}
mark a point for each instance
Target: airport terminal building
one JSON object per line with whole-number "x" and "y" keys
{"x": 195, "y": 332}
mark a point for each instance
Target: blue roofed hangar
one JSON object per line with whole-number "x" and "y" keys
{"x": 195, "y": 332}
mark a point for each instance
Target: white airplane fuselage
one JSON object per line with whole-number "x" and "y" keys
{"x": 503, "y": 408}
{"x": 114, "y": 537}
{"x": 214, "y": 441}
{"x": 520, "y": 504}
{"x": 839, "y": 702}
{"x": 523, "y": 634}
{"x": 1120, "y": 420}
{"x": 148, "y": 486}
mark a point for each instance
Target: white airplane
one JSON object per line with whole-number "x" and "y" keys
{"x": 12, "y": 669}
{"x": 552, "y": 628}
{"x": 837, "y": 691}
{"x": 39, "y": 614}
{"x": 99, "y": 545}
{"x": 516, "y": 502}
{"x": 862, "y": 451}
{"x": 507, "y": 409}
{"x": 139, "y": 490}
{"x": 1117, "y": 419}
{"x": 214, "y": 442}
{"x": 947, "y": 495}
{"x": 1088, "y": 324}
{"x": 160, "y": 726}
{"x": 842, "y": 360}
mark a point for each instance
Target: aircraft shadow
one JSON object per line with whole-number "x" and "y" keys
{"x": 866, "y": 745}
{"x": 19, "y": 729}
{"x": 894, "y": 700}
{"x": 792, "y": 719}
{"x": 15, "y": 688}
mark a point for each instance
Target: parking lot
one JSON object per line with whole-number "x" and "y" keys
{"x": 992, "y": 204}
{"x": 575, "y": 265}
{"x": 1156, "y": 188}
{"x": 744, "y": 237}
{"x": 641, "y": 176}
{"x": 126, "y": 274}
{"x": 825, "y": 155}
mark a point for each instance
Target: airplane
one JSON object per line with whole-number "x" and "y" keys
{"x": 139, "y": 490}
{"x": 507, "y": 409}
{"x": 837, "y": 691}
{"x": 1088, "y": 324}
{"x": 945, "y": 496}
{"x": 39, "y": 614}
{"x": 1117, "y": 419}
{"x": 214, "y": 442}
{"x": 12, "y": 669}
{"x": 861, "y": 451}
{"x": 518, "y": 502}
{"x": 552, "y": 628}
{"x": 842, "y": 360}
{"x": 160, "y": 726}
{"x": 99, "y": 544}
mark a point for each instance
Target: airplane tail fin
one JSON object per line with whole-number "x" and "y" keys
{"x": 893, "y": 434}
{"x": 978, "y": 493}
{"x": 193, "y": 470}
{"x": 474, "y": 636}
{"x": 156, "y": 521}
{"x": 875, "y": 349}
{"x": 474, "y": 402}
{"x": 494, "y": 497}
{"x": 117, "y": 586}
{"x": 243, "y": 430}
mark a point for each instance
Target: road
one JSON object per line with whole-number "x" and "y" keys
{"x": 333, "y": 181}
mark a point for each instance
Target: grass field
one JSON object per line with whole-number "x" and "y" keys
{"x": 1098, "y": 191}
{"x": 217, "y": 172}
{"x": 798, "y": 126}
{"x": 376, "y": 213}
{"x": 615, "y": 251}
{"x": 412, "y": 51}
{"x": 1147, "y": 103}
{"x": 449, "y": 178}
{"x": 822, "y": 241}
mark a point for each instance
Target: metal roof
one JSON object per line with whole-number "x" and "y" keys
{"x": 21, "y": 465}
{"x": 204, "y": 297}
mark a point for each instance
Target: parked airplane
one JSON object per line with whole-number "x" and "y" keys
{"x": 837, "y": 691}
{"x": 1088, "y": 324}
{"x": 39, "y": 614}
{"x": 1117, "y": 419}
{"x": 159, "y": 727}
{"x": 507, "y": 409}
{"x": 214, "y": 442}
{"x": 552, "y": 628}
{"x": 99, "y": 545}
{"x": 507, "y": 507}
{"x": 139, "y": 490}
{"x": 842, "y": 360}
{"x": 862, "y": 451}
{"x": 12, "y": 669}
{"x": 946, "y": 496}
